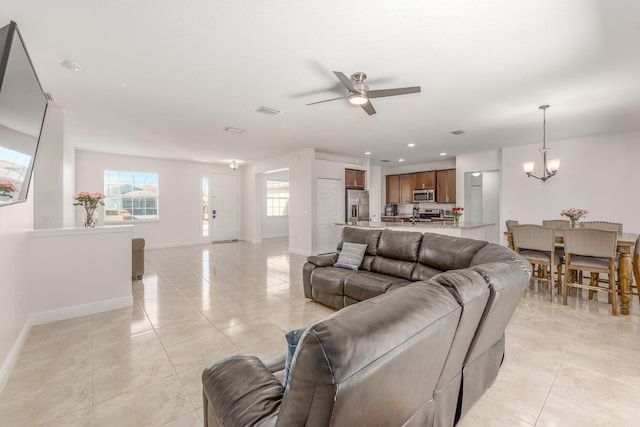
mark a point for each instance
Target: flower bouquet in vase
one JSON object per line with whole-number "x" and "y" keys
{"x": 90, "y": 202}
{"x": 457, "y": 213}
{"x": 574, "y": 215}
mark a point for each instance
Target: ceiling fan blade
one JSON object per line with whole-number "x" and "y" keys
{"x": 368, "y": 107}
{"x": 327, "y": 100}
{"x": 393, "y": 92}
{"x": 346, "y": 81}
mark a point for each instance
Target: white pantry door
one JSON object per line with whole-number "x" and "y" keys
{"x": 222, "y": 208}
{"x": 330, "y": 208}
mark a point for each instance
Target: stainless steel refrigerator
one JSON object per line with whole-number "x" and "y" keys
{"x": 357, "y": 205}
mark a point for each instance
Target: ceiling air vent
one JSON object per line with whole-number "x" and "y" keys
{"x": 457, "y": 132}
{"x": 49, "y": 97}
{"x": 269, "y": 111}
{"x": 233, "y": 130}
{"x": 385, "y": 161}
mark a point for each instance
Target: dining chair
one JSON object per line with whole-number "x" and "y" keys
{"x": 510, "y": 223}
{"x": 558, "y": 224}
{"x": 537, "y": 244}
{"x": 636, "y": 270}
{"x": 602, "y": 225}
{"x": 592, "y": 250}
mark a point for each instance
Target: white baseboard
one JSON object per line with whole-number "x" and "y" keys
{"x": 299, "y": 251}
{"x": 275, "y": 236}
{"x": 80, "y": 310}
{"x": 12, "y": 358}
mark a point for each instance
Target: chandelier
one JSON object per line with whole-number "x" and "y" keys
{"x": 233, "y": 165}
{"x": 549, "y": 167}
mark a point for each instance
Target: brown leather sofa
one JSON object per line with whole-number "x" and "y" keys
{"x": 393, "y": 259}
{"x": 421, "y": 355}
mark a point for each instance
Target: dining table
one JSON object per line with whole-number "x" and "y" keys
{"x": 625, "y": 247}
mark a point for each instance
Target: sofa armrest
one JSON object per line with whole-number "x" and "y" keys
{"x": 240, "y": 391}
{"x": 312, "y": 263}
{"x": 323, "y": 260}
{"x": 276, "y": 362}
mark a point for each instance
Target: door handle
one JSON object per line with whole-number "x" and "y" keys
{"x": 213, "y": 213}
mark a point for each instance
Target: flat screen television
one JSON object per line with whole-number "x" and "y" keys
{"x": 23, "y": 106}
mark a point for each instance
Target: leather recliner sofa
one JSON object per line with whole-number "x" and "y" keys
{"x": 420, "y": 355}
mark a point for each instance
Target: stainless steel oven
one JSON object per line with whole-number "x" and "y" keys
{"x": 424, "y": 196}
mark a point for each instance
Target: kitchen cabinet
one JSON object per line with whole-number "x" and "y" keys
{"x": 424, "y": 180}
{"x": 446, "y": 186}
{"x": 354, "y": 178}
{"x": 400, "y": 188}
{"x": 393, "y": 188}
{"x": 406, "y": 188}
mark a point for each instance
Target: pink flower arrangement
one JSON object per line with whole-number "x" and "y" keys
{"x": 89, "y": 201}
{"x": 6, "y": 188}
{"x": 574, "y": 215}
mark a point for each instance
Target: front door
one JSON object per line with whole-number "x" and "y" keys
{"x": 219, "y": 207}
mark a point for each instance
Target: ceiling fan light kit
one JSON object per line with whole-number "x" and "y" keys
{"x": 360, "y": 95}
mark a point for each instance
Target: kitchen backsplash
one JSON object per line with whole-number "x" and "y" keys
{"x": 407, "y": 209}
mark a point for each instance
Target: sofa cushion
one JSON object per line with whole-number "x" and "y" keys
{"x": 447, "y": 252}
{"x": 330, "y": 279}
{"x": 351, "y": 256}
{"x": 423, "y": 272}
{"x": 366, "y": 285}
{"x": 399, "y": 245}
{"x": 363, "y": 236}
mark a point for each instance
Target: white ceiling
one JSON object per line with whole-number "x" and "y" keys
{"x": 163, "y": 78}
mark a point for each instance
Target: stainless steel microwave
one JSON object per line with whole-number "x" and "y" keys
{"x": 424, "y": 196}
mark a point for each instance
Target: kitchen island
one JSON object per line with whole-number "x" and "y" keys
{"x": 469, "y": 229}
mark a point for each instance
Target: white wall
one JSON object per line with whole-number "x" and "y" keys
{"x": 180, "y": 207}
{"x": 15, "y": 221}
{"x": 597, "y": 173}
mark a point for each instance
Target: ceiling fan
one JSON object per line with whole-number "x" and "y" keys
{"x": 359, "y": 93}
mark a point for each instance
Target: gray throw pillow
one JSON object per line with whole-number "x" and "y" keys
{"x": 351, "y": 255}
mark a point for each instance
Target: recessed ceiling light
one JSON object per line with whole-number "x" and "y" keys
{"x": 367, "y": 153}
{"x": 73, "y": 66}
{"x": 401, "y": 160}
{"x": 411, "y": 144}
{"x": 443, "y": 154}
{"x": 385, "y": 161}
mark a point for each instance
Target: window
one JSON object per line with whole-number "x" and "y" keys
{"x": 131, "y": 196}
{"x": 277, "y": 198}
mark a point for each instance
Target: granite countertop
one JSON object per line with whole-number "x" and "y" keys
{"x": 420, "y": 225}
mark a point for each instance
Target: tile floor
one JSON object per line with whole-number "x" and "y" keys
{"x": 564, "y": 366}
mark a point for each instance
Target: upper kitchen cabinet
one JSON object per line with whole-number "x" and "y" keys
{"x": 354, "y": 178}
{"x": 400, "y": 188}
{"x": 393, "y": 188}
{"x": 406, "y": 188}
{"x": 446, "y": 186}
{"x": 424, "y": 180}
